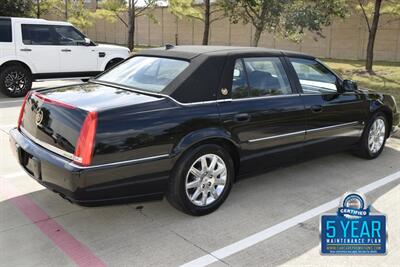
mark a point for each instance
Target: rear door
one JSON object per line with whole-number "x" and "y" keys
{"x": 334, "y": 117}
{"x": 75, "y": 55}
{"x": 36, "y": 43}
{"x": 261, "y": 110}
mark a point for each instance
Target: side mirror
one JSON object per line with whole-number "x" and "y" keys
{"x": 349, "y": 86}
{"x": 87, "y": 41}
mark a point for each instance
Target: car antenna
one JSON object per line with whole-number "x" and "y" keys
{"x": 169, "y": 46}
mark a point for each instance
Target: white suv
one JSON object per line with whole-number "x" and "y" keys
{"x": 36, "y": 49}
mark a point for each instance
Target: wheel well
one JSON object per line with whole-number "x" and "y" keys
{"x": 113, "y": 61}
{"x": 226, "y": 144}
{"x": 15, "y": 62}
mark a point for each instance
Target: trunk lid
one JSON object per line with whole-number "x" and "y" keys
{"x": 54, "y": 118}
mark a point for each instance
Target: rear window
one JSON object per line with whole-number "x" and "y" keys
{"x": 5, "y": 30}
{"x": 145, "y": 73}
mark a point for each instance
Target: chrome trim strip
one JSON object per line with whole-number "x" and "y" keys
{"x": 53, "y": 149}
{"x": 333, "y": 126}
{"x": 276, "y": 136}
{"x": 304, "y": 132}
{"x": 163, "y": 156}
{"x": 188, "y": 104}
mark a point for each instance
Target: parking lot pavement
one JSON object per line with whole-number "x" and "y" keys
{"x": 38, "y": 228}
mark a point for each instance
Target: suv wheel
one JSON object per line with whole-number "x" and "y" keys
{"x": 15, "y": 81}
{"x": 373, "y": 140}
{"x": 201, "y": 180}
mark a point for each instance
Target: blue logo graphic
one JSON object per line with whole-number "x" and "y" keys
{"x": 353, "y": 230}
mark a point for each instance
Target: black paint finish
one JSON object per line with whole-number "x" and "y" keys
{"x": 140, "y": 135}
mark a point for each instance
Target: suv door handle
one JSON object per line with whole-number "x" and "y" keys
{"x": 65, "y": 50}
{"x": 316, "y": 108}
{"x": 25, "y": 50}
{"x": 243, "y": 117}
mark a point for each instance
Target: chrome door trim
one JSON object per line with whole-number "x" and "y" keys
{"x": 276, "y": 136}
{"x": 305, "y": 131}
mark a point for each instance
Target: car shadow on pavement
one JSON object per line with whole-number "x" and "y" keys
{"x": 124, "y": 234}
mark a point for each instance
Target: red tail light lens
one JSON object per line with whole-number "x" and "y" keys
{"x": 85, "y": 145}
{"x": 21, "y": 112}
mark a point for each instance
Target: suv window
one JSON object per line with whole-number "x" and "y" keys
{"x": 259, "y": 76}
{"x": 68, "y": 35}
{"x": 5, "y": 30}
{"x": 314, "y": 77}
{"x": 36, "y": 34}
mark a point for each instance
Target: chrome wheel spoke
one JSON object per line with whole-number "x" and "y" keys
{"x": 214, "y": 193}
{"x": 194, "y": 184}
{"x": 196, "y": 194}
{"x": 204, "y": 198}
{"x": 195, "y": 172}
{"x": 219, "y": 182}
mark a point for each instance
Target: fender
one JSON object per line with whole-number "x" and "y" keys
{"x": 110, "y": 57}
{"x": 198, "y": 136}
{"x": 26, "y": 61}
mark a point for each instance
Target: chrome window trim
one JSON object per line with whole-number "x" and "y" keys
{"x": 192, "y": 103}
{"x": 139, "y": 160}
{"x": 49, "y": 147}
{"x": 305, "y": 131}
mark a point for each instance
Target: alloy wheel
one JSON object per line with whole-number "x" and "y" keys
{"x": 206, "y": 180}
{"x": 15, "y": 82}
{"x": 376, "y": 136}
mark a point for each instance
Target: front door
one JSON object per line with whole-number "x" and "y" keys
{"x": 334, "y": 117}
{"x": 75, "y": 54}
{"x": 264, "y": 115}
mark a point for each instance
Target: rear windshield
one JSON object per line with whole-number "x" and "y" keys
{"x": 145, "y": 73}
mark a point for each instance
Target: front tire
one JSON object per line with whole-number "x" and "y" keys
{"x": 201, "y": 180}
{"x": 15, "y": 81}
{"x": 374, "y": 137}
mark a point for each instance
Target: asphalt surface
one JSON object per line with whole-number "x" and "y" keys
{"x": 262, "y": 223}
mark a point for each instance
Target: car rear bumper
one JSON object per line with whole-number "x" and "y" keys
{"x": 104, "y": 184}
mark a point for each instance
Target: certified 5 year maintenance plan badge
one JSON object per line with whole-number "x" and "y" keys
{"x": 353, "y": 230}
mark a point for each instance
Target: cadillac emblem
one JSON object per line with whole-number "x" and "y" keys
{"x": 39, "y": 117}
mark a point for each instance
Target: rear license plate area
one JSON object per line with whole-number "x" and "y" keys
{"x": 30, "y": 163}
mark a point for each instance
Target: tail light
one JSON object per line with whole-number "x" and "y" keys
{"x": 21, "y": 112}
{"x": 85, "y": 144}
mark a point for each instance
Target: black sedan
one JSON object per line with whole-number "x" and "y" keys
{"x": 186, "y": 121}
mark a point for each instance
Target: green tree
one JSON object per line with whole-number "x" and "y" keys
{"x": 287, "y": 18}
{"x": 112, "y": 10}
{"x": 15, "y": 8}
{"x": 371, "y": 11}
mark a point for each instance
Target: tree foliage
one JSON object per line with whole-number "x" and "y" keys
{"x": 287, "y": 18}
{"x": 15, "y": 8}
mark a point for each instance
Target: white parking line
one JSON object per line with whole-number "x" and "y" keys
{"x": 12, "y": 175}
{"x": 11, "y": 101}
{"x": 281, "y": 227}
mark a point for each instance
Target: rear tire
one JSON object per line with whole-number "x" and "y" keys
{"x": 201, "y": 180}
{"x": 15, "y": 81}
{"x": 374, "y": 137}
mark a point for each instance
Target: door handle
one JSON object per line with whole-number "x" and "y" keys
{"x": 65, "y": 50}
{"x": 316, "y": 108}
{"x": 25, "y": 50}
{"x": 243, "y": 117}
